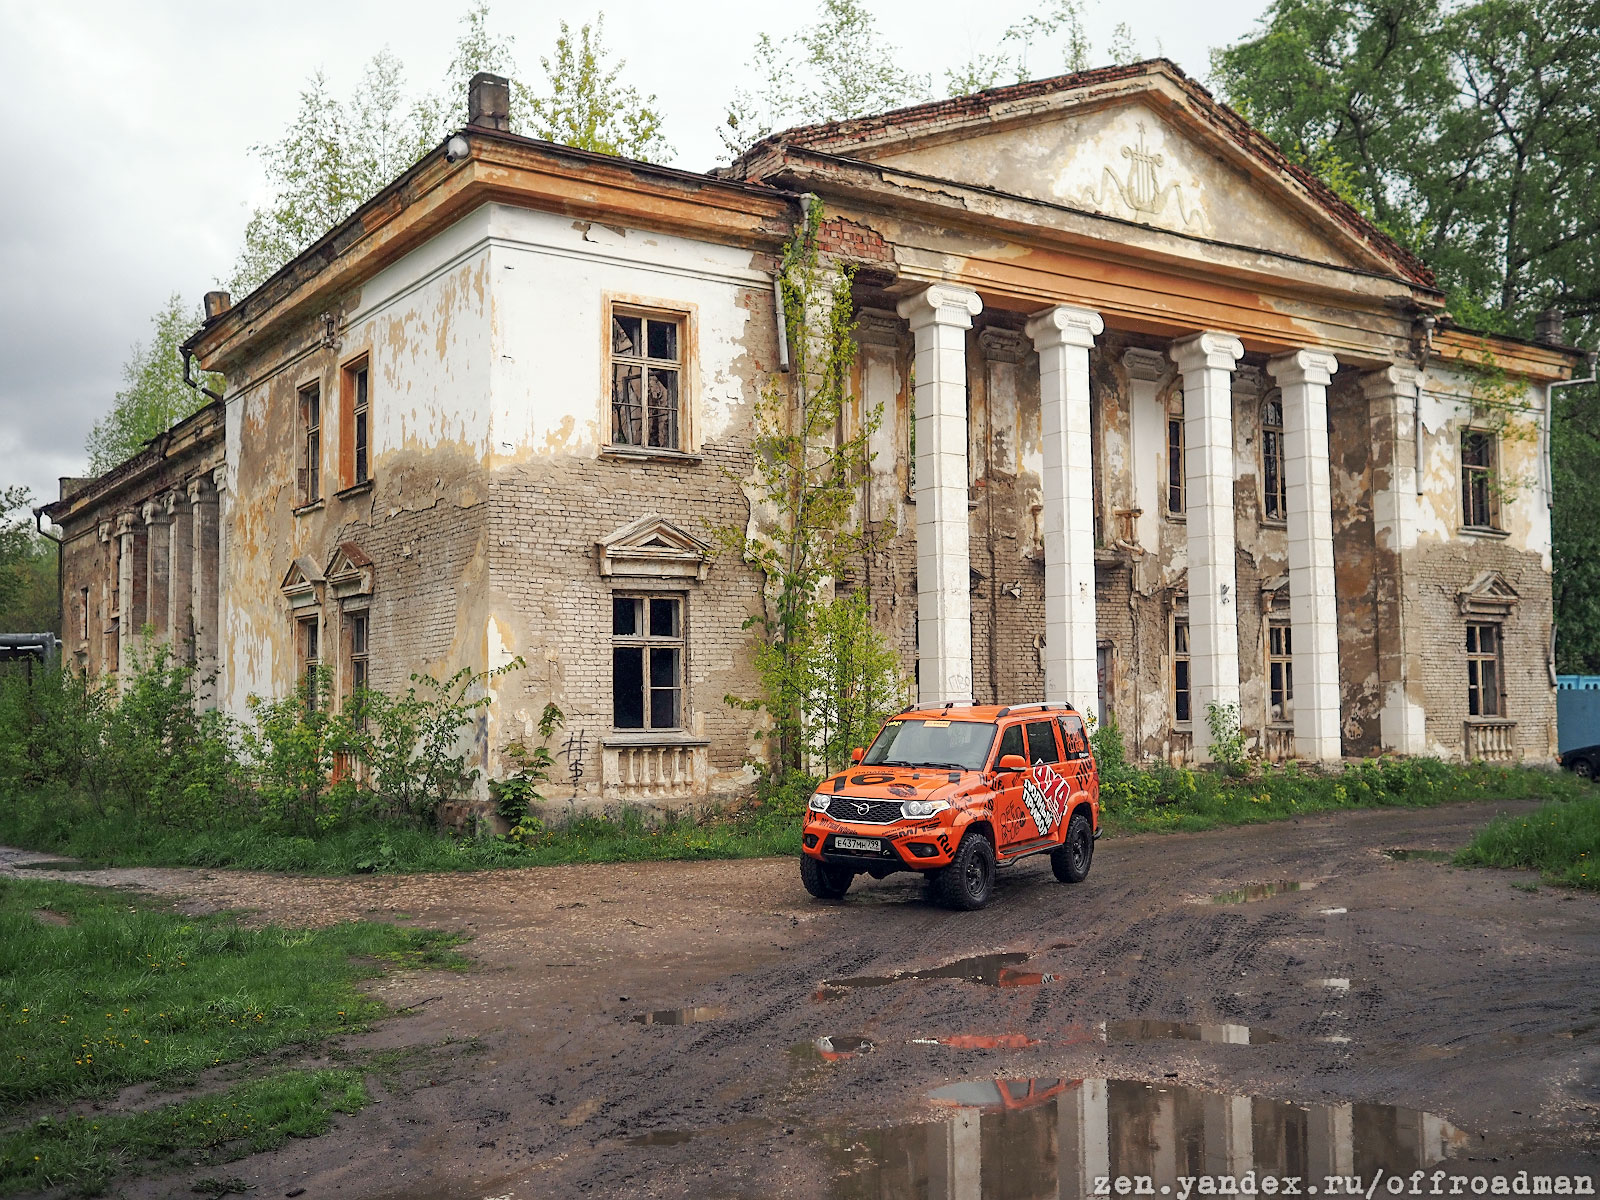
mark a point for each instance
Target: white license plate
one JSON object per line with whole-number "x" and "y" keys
{"x": 872, "y": 845}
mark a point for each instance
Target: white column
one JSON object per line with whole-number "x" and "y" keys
{"x": 1391, "y": 406}
{"x": 1313, "y": 613}
{"x": 940, "y": 317}
{"x": 1083, "y": 1139}
{"x": 1063, "y": 337}
{"x": 1206, "y": 361}
{"x": 219, "y": 484}
{"x": 129, "y": 617}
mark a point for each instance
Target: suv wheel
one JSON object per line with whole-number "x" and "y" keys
{"x": 968, "y": 882}
{"x": 824, "y": 880}
{"x": 1583, "y": 768}
{"x": 1071, "y": 862}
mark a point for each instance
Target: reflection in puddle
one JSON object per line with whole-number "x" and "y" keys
{"x": 1039, "y": 1137}
{"x": 1403, "y": 855}
{"x": 981, "y": 1041}
{"x": 1149, "y": 1031}
{"x": 1262, "y": 891}
{"x": 830, "y": 1049}
{"x": 679, "y": 1016}
{"x": 995, "y": 970}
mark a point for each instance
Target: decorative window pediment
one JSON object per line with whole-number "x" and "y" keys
{"x": 1275, "y": 595}
{"x": 1489, "y": 595}
{"x": 349, "y": 572}
{"x": 301, "y": 584}
{"x": 653, "y": 547}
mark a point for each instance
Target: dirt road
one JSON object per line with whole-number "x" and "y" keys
{"x": 1382, "y": 1013}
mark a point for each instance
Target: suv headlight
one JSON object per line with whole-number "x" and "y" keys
{"x": 923, "y": 808}
{"x": 819, "y": 802}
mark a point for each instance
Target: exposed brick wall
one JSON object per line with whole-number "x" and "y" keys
{"x": 849, "y": 240}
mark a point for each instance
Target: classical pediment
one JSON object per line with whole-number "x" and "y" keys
{"x": 653, "y": 547}
{"x": 1275, "y": 595}
{"x": 300, "y": 584}
{"x": 349, "y": 572}
{"x": 1141, "y": 144}
{"x": 1488, "y": 595}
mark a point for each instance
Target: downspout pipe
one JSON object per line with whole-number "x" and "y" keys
{"x": 1428, "y": 322}
{"x": 1545, "y": 425}
{"x": 44, "y": 524}
{"x": 188, "y": 376}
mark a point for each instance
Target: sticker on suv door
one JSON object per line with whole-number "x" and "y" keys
{"x": 1044, "y": 804}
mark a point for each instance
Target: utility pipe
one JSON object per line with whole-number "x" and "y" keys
{"x": 41, "y": 521}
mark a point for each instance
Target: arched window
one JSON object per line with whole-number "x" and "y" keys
{"x": 1274, "y": 500}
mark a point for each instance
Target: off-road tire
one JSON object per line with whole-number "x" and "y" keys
{"x": 968, "y": 882}
{"x": 1071, "y": 861}
{"x": 824, "y": 880}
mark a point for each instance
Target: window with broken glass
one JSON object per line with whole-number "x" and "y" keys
{"x": 1180, "y": 670}
{"x": 311, "y": 445}
{"x": 646, "y": 378}
{"x": 1280, "y": 672}
{"x": 647, "y": 662}
{"x": 1483, "y": 670}
{"x": 1477, "y": 470}
{"x": 1274, "y": 497}
{"x": 1175, "y": 465}
{"x": 310, "y": 657}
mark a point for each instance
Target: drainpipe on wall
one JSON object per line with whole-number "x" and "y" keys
{"x": 45, "y": 524}
{"x": 1428, "y": 322}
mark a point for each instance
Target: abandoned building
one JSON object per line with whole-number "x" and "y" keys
{"x": 1164, "y": 425}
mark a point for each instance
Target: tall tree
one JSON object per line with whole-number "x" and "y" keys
{"x": 585, "y": 104}
{"x": 335, "y": 154}
{"x": 27, "y": 568}
{"x": 838, "y": 66}
{"x": 1467, "y": 130}
{"x": 154, "y": 396}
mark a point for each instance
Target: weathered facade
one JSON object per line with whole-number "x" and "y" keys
{"x": 1164, "y": 424}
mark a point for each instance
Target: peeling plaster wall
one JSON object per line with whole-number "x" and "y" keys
{"x": 424, "y": 325}
{"x": 1449, "y": 560}
{"x": 554, "y": 496}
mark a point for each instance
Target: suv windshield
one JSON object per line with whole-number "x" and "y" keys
{"x": 924, "y": 742}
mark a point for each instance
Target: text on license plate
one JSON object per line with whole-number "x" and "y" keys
{"x": 871, "y": 845}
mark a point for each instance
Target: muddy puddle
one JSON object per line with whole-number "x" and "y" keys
{"x": 829, "y": 1048}
{"x": 1184, "y": 1031}
{"x": 679, "y": 1016}
{"x": 1037, "y": 1137}
{"x": 992, "y": 970}
{"x": 1262, "y": 891}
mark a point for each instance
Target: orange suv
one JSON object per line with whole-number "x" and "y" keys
{"x": 956, "y": 792}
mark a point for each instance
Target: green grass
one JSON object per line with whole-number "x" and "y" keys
{"x": 1560, "y": 840}
{"x": 61, "y": 824}
{"x": 85, "y": 1153}
{"x": 1175, "y": 799}
{"x": 126, "y": 992}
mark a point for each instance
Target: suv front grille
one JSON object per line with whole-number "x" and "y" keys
{"x": 864, "y": 812}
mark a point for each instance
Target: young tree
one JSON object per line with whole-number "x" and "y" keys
{"x": 154, "y": 396}
{"x": 839, "y": 66}
{"x": 335, "y": 155}
{"x": 1015, "y": 59}
{"x": 585, "y": 104}
{"x": 803, "y": 529}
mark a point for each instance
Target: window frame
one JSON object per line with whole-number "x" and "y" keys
{"x": 1280, "y": 671}
{"x": 1274, "y": 483}
{"x": 1476, "y": 475}
{"x": 308, "y": 654}
{"x": 308, "y": 399}
{"x": 1177, "y": 483}
{"x": 1183, "y": 655}
{"x": 1477, "y": 658}
{"x": 646, "y": 642}
{"x": 355, "y": 422}
{"x": 649, "y": 309}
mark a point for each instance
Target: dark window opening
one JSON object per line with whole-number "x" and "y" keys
{"x": 1180, "y": 670}
{"x": 1477, "y": 470}
{"x": 647, "y": 662}
{"x": 311, "y": 446}
{"x": 1175, "y": 466}
{"x": 1280, "y": 673}
{"x": 646, "y": 370}
{"x": 1274, "y": 492}
{"x": 1483, "y": 671}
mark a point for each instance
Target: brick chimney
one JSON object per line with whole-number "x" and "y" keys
{"x": 489, "y": 101}
{"x": 1547, "y": 327}
{"x": 217, "y": 303}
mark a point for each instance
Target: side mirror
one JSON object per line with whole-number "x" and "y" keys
{"x": 1012, "y": 762}
{"x": 857, "y": 754}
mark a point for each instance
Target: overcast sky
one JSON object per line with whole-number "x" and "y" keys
{"x": 126, "y": 128}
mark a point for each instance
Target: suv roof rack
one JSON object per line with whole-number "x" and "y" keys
{"x": 1044, "y": 706}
